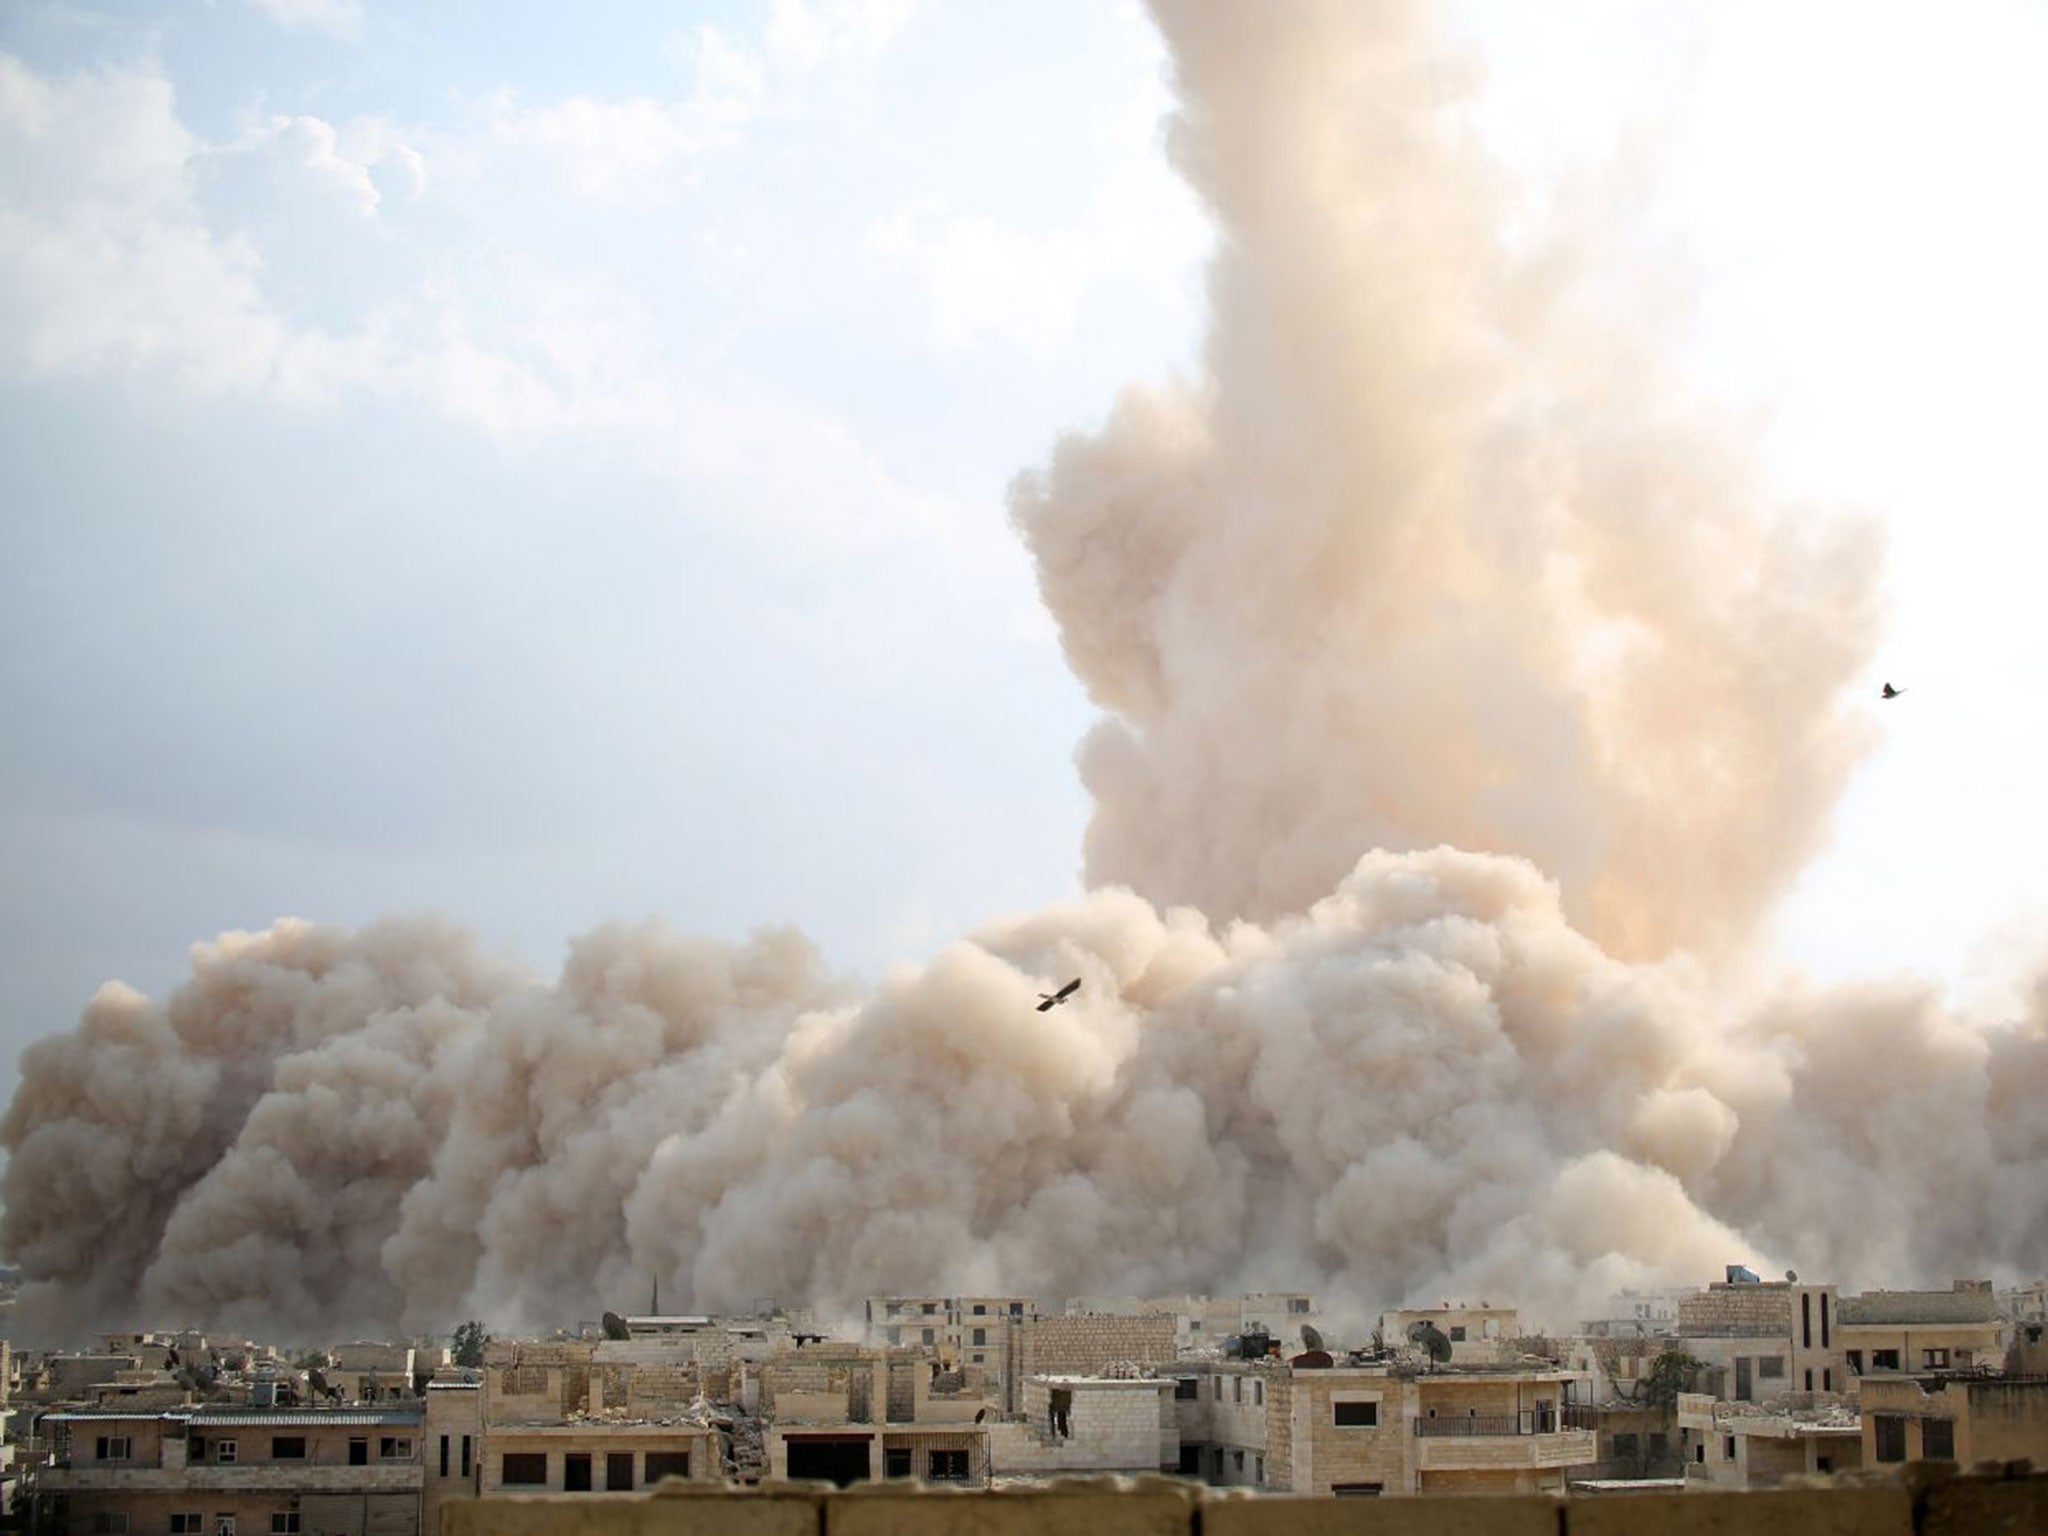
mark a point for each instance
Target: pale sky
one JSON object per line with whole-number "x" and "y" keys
{"x": 546, "y": 464}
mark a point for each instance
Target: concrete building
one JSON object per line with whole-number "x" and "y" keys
{"x": 1076, "y": 1425}
{"x": 1891, "y": 1332}
{"x": 1204, "y": 1322}
{"x": 1080, "y": 1344}
{"x": 1964, "y": 1419}
{"x": 452, "y": 1456}
{"x": 1761, "y": 1339}
{"x": 1735, "y": 1445}
{"x": 233, "y": 1472}
{"x": 1479, "y": 1335}
{"x": 845, "y": 1413}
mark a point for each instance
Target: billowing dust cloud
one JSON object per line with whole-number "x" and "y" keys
{"x": 1433, "y": 557}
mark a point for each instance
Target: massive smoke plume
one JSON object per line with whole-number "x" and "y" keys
{"x": 1432, "y": 554}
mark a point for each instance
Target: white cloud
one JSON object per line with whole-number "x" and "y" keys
{"x": 340, "y": 18}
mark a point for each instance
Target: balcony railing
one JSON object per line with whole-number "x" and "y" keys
{"x": 1527, "y": 1422}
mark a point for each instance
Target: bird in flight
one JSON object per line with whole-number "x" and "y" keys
{"x": 1890, "y": 692}
{"x": 1052, "y": 1000}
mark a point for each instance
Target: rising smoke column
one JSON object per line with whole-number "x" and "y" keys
{"x": 1436, "y": 550}
{"x": 1426, "y": 556}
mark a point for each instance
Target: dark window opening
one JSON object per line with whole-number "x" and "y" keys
{"x": 1884, "y": 1359}
{"x": 945, "y": 1467}
{"x": 1190, "y": 1460}
{"x": 1827, "y": 1378}
{"x": 1823, "y": 1463}
{"x": 981, "y": 1338}
{"x": 358, "y": 1451}
{"x": 1771, "y": 1368}
{"x": 1625, "y": 1445}
{"x": 287, "y": 1447}
{"x": 980, "y": 1310}
{"x": 1937, "y": 1440}
{"x": 465, "y": 1455}
{"x": 1823, "y": 1319}
{"x": 1660, "y": 1445}
{"x": 1934, "y": 1359}
{"x": 1806, "y": 1319}
{"x": 1355, "y": 1415}
{"x": 830, "y": 1460}
{"x": 1855, "y": 1362}
{"x": 576, "y": 1472}
{"x": 1727, "y": 1447}
{"x": 1356, "y": 1490}
{"x": 618, "y": 1471}
{"x": 662, "y": 1464}
{"x": 1187, "y": 1388}
{"x": 896, "y": 1462}
{"x": 523, "y": 1469}
{"x": 1890, "y": 1436}
{"x": 444, "y": 1455}
{"x": 1457, "y": 1333}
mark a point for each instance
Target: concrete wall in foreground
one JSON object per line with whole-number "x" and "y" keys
{"x": 1161, "y": 1507}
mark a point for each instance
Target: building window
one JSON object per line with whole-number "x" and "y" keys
{"x": 980, "y": 1310}
{"x": 1806, "y": 1319}
{"x": 223, "y": 1525}
{"x": 1770, "y": 1368}
{"x": 1457, "y": 1333}
{"x": 981, "y": 1338}
{"x": 1356, "y": 1490}
{"x": 930, "y": 1307}
{"x": 225, "y": 1451}
{"x": 1297, "y": 1304}
{"x": 1660, "y": 1445}
{"x": 1884, "y": 1359}
{"x": 358, "y": 1451}
{"x": 1890, "y": 1434}
{"x": 896, "y": 1462}
{"x": 110, "y": 1522}
{"x": 1355, "y": 1415}
{"x": 1259, "y": 1470}
{"x": 662, "y": 1464}
{"x": 1016, "y": 1309}
{"x": 287, "y": 1447}
{"x": 1823, "y": 1463}
{"x": 523, "y": 1469}
{"x": 465, "y": 1455}
{"x": 618, "y": 1471}
{"x": 1827, "y": 1379}
{"x": 113, "y": 1448}
{"x": 1855, "y": 1362}
{"x": 1934, "y": 1359}
{"x": 188, "y": 1525}
{"x": 1190, "y": 1460}
{"x": 1727, "y": 1447}
{"x": 394, "y": 1448}
{"x": 1237, "y": 1462}
{"x": 1625, "y": 1444}
{"x": 1237, "y": 1389}
{"x": 1258, "y": 1394}
{"x": 1937, "y": 1440}
{"x": 930, "y": 1336}
{"x": 1187, "y": 1388}
{"x": 1699, "y": 1453}
{"x": 1823, "y": 1319}
{"x": 284, "y": 1522}
{"x": 945, "y": 1467}
{"x": 576, "y": 1472}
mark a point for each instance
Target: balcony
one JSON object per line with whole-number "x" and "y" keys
{"x": 1497, "y": 1442}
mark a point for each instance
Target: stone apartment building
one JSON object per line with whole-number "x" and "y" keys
{"x": 1381, "y": 1429}
{"x": 1080, "y": 1425}
{"x": 1889, "y": 1332}
{"x": 233, "y": 1472}
{"x": 1080, "y": 1344}
{"x": 964, "y": 1332}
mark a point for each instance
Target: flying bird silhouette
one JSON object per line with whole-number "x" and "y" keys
{"x": 1052, "y": 1000}
{"x": 1890, "y": 692}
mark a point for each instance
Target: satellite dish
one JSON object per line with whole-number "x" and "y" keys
{"x": 1431, "y": 1340}
{"x": 1311, "y": 1337}
{"x": 1792, "y": 1275}
{"x": 615, "y": 1326}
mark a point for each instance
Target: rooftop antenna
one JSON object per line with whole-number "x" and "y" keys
{"x": 1431, "y": 1340}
